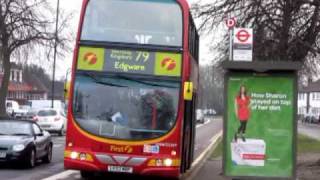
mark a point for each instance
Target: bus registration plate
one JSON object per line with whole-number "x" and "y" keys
{"x": 121, "y": 169}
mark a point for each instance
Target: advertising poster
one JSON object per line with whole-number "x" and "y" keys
{"x": 259, "y": 126}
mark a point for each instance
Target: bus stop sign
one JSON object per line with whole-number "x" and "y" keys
{"x": 242, "y": 44}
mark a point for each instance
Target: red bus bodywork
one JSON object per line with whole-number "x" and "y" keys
{"x": 129, "y": 153}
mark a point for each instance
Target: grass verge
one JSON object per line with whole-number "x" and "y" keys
{"x": 218, "y": 150}
{"x": 307, "y": 145}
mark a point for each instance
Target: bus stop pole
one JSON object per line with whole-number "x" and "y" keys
{"x": 231, "y": 44}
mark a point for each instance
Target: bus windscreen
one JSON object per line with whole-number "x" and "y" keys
{"x": 157, "y": 22}
{"x": 125, "y": 108}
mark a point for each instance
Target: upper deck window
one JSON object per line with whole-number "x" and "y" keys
{"x": 157, "y": 22}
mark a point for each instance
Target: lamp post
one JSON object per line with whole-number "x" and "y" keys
{"x": 55, "y": 53}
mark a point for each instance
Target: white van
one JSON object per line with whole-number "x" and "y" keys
{"x": 12, "y": 107}
{"x": 40, "y": 104}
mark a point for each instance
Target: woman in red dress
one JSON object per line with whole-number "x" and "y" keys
{"x": 242, "y": 108}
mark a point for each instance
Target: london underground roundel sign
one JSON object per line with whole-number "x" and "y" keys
{"x": 243, "y": 35}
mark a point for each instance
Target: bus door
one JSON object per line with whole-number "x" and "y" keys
{"x": 188, "y": 135}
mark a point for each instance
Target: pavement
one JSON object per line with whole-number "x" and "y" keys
{"x": 212, "y": 169}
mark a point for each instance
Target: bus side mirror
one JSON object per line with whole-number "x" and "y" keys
{"x": 188, "y": 91}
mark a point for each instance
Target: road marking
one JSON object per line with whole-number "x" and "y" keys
{"x": 61, "y": 175}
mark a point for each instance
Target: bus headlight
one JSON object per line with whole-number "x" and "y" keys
{"x": 74, "y": 155}
{"x": 167, "y": 162}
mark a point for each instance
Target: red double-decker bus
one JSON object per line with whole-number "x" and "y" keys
{"x": 133, "y": 88}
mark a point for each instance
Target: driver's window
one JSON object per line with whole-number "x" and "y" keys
{"x": 36, "y": 129}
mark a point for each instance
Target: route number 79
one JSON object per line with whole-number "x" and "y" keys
{"x": 142, "y": 56}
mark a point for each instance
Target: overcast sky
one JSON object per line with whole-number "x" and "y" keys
{"x": 75, "y": 6}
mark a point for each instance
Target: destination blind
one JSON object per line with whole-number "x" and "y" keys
{"x": 130, "y": 61}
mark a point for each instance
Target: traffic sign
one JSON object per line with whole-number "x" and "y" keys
{"x": 231, "y": 22}
{"x": 242, "y": 44}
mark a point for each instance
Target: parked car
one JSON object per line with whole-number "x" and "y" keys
{"x": 24, "y": 141}
{"x": 52, "y": 120}
{"x": 200, "y": 116}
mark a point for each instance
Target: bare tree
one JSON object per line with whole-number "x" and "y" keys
{"x": 284, "y": 29}
{"x": 25, "y": 26}
{"x": 211, "y": 88}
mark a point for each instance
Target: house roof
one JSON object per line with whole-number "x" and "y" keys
{"x": 19, "y": 87}
{"x": 15, "y": 86}
{"x": 30, "y": 83}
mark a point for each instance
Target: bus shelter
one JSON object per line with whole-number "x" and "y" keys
{"x": 260, "y": 121}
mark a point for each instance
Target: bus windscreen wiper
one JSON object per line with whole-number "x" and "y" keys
{"x": 98, "y": 81}
{"x": 146, "y": 83}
